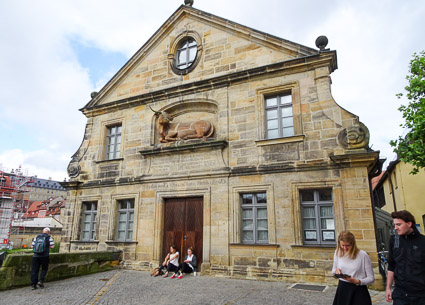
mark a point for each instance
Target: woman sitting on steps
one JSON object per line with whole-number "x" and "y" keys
{"x": 171, "y": 262}
{"x": 188, "y": 265}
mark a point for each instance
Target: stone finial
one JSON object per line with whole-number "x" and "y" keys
{"x": 93, "y": 94}
{"x": 188, "y": 2}
{"x": 322, "y": 42}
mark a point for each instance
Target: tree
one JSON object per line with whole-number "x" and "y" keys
{"x": 411, "y": 148}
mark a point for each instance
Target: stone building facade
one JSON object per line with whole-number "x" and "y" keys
{"x": 225, "y": 138}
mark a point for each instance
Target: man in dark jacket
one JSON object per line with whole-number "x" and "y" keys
{"x": 406, "y": 262}
{"x": 41, "y": 259}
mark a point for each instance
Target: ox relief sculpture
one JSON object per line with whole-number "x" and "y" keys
{"x": 171, "y": 132}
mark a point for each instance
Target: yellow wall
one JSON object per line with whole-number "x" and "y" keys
{"x": 409, "y": 192}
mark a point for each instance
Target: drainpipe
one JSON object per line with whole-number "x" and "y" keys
{"x": 392, "y": 192}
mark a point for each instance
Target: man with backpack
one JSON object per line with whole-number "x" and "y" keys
{"x": 40, "y": 246}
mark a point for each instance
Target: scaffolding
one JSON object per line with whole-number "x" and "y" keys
{"x": 13, "y": 202}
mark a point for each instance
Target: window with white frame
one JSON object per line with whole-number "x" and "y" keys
{"x": 317, "y": 214}
{"x": 113, "y": 142}
{"x": 254, "y": 221}
{"x": 89, "y": 221}
{"x": 125, "y": 220}
{"x": 186, "y": 53}
{"x": 279, "y": 117}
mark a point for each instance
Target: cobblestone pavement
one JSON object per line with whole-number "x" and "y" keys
{"x": 137, "y": 287}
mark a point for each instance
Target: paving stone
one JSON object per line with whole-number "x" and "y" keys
{"x": 137, "y": 287}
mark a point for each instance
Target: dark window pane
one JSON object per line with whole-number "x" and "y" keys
{"x": 325, "y": 195}
{"x": 261, "y": 198}
{"x": 307, "y": 195}
{"x": 246, "y": 198}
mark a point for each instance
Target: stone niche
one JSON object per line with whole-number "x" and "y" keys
{"x": 185, "y": 112}
{"x": 185, "y": 155}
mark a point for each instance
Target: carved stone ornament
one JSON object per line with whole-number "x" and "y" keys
{"x": 73, "y": 169}
{"x": 170, "y": 132}
{"x": 354, "y": 137}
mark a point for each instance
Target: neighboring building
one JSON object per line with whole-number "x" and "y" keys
{"x": 39, "y": 215}
{"x": 46, "y": 208}
{"x": 397, "y": 189}
{"x": 24, "y": 232}
{"x": 247, "y": 156}
{"x": 43, "y": 189}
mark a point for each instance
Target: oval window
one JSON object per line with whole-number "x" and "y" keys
{"x": 186, "y": 53}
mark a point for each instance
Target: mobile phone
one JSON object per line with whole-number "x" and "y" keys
{"x": 341, "y": 276}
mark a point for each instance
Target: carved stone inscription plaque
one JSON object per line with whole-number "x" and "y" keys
{"x": 198, "y": 161}
{"x": 280, "y": 152}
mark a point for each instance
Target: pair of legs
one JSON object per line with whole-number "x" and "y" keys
{"x": 170, "y": 267}
{"x": 184, "y": 268}
{"x": 38, "y": 262}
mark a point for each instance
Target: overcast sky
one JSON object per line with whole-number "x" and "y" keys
{"x": 54, "y": 53}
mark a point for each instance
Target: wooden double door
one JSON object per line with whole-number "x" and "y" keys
{"x": 183, "y": 226}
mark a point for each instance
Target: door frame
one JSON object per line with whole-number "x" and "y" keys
{"x": 160, "y": 198}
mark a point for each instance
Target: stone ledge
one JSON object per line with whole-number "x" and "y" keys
{"x": 120, "y": 242}
{"x": 299, "y": 138}
{"x": 16, "y": 267}
{"x": 314, "y": 246}
{"x": 112, "y": 160}
{"x": 185, "y": 146}
{"x": 254, "y": 245}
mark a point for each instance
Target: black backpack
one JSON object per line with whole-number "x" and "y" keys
{"x": 40, "y": 244}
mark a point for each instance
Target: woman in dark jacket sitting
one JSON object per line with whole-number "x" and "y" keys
{"x": 188, "y": 265}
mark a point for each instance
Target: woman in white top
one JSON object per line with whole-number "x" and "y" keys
{"x": 171, "y": 262}
{"x": 188, "y": 265}
{"x": 354, "y": 270}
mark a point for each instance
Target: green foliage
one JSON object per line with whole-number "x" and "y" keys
{"x": 56, "y": 248}
{"x": 411, "y": 148}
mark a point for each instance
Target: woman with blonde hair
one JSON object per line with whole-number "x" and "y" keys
{"x": 354, "y": 270}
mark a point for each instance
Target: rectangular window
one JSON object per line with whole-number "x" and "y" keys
{"x": 89, "y": 221}
{"x": 279, "y": 117}
{"x": 317, "y": 216}
{"x": 254, "y": 218}
{"x": 125, "y": 220}
{"x": 113, "y": 142}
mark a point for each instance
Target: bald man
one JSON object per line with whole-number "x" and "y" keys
{"x": 41, "y": 245}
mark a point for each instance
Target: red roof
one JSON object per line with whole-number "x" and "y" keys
{"x": 376, "y": 179}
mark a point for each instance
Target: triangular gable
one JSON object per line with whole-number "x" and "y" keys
{"x": 119, "y": 87}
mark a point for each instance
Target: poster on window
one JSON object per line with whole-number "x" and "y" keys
{"x": 330, "y": 224}
{"x": 328, "y": 235}
{"x": 310, "y": 235}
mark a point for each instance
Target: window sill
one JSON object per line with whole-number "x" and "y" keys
{"x": 84, "y": 241}
{"x": 112, "y": 160}
{"x": 254, "y": 245}
{"x": 120, "y": 242}
{"x": 313, "y": 246}
{"x": 299, "y": 138}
